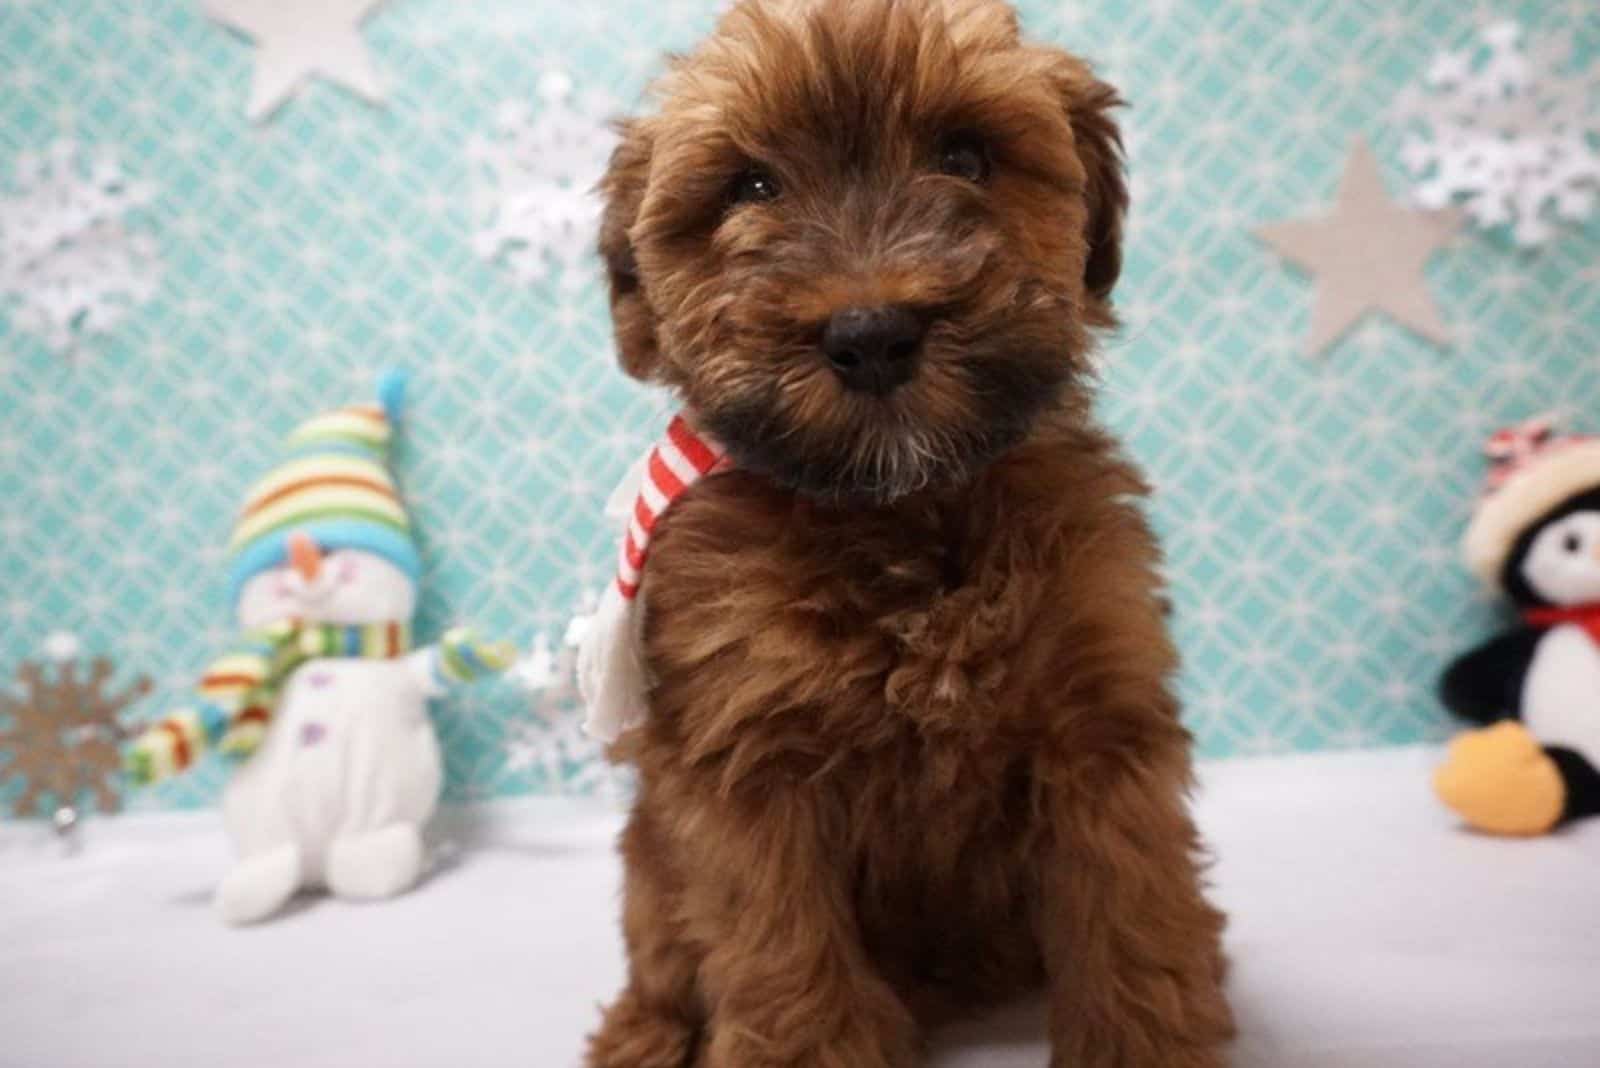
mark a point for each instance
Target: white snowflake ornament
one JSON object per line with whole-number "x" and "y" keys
{"x": 1510, "y": 130}
{"x": 535, "y": 207}
{"x": 62, "y": 646}
{"x": 553, "y": 745}
{"x": 537, "y": 669}
{"x": 71, "y": 267}
{"x": 564, "y": 758}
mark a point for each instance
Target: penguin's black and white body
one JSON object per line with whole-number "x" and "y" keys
{"x": 1545, "y": 672}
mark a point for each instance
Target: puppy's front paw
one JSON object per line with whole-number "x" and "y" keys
{"x": 634, "y": 1036}
{"x": 859, "y": 1045}
{"x": 1186, "y": 1059}
{"x": 1169, "y": 1019}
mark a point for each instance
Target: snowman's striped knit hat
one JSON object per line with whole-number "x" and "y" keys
{"x": 335, "y": 487}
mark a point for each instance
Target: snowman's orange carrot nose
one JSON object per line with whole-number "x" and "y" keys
{"x": 304, "y": 556}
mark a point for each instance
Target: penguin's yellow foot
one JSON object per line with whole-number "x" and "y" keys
{"x": 1501, "y": 781}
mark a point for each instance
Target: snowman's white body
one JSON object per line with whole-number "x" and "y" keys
{"x": 349, "y": 772}
{"x": 350, "y": 751}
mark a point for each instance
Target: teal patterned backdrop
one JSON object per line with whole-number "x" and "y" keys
{"x": 1310, "y": 506}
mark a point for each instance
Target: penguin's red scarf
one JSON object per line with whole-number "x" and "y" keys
{"x": 1586, "y": 616}
{"x": 611, "y": 670}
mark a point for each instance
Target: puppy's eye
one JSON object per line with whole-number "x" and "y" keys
{"x": 1572, "y": 543}
{"x": 964, "y": 156}
{"x": 754, "y": 186}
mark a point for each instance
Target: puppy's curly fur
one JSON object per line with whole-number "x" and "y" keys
{"x": 912, "y": 747}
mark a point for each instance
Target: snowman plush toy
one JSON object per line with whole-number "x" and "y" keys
{"x": 323, "y": 699}
{"x": 1533, "y": 762}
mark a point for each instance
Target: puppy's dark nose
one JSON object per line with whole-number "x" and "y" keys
{"x": 874, "y": 350}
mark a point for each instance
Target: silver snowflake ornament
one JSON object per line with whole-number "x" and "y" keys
{"x": 1510, "y": 130}
{"x": 71, "y": 265}
{"x": 535, "y": 207}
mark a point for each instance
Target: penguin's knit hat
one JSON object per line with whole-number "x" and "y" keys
{"x": 1533, "y": 470}
{"x": 335, "y": 487}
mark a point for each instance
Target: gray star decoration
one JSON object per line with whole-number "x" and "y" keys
{"x": 1367, "y": 254}
{"x": 297, "y": 39}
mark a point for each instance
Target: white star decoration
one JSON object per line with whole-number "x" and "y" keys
{"x": 1367, "y": 255}
{"x": 297, "y": 39}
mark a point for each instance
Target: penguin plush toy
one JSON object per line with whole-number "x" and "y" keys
{"x": 1533, "y": 693}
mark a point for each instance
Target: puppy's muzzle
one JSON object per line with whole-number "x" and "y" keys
{"x": 874, "y": 350}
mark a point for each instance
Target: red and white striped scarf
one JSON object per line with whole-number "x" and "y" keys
{"x": 681, "y": 459}
{"x": 611, "y": 670}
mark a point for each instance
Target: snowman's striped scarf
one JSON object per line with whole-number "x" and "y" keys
{"x": 235, "y": 698}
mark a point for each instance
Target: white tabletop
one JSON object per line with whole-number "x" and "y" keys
{"x": 1367, "y": 931}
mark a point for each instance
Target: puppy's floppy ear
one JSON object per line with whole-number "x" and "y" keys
{"x": 622, "y": 189}
{"x": 1089, "y": 104}
{"x": 1100, "y": 146}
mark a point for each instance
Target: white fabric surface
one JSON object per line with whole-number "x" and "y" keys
{"x": 1367, "y": 931}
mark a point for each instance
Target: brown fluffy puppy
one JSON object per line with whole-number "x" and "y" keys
{"x": 912, "y": 747}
